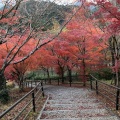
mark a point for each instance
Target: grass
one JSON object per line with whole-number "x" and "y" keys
{"x": 109, "y": 82}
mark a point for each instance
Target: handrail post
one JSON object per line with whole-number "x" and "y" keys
{"x": 117, "y": 99}
{"x": 42, "y": 89}
{"x": 96, "y": 87}
{"x": 90, "y": 77}
{"x": 33, "y": 97}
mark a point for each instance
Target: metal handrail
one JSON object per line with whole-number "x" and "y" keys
{"x": 23, "y": 109}
{"x": 20, "y": 100}
{"x": 98, "y": 90}
{"x": 105, "y": 83}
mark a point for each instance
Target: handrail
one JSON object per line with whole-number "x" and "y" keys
{"x": 105, "y": 83}
{"x": 58, "y": 79}
{"x": 99, "y": 90}
{"x": 21, "y": 99}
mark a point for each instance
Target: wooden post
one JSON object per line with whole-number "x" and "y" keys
{"x": 33, "y": 98}
{"x": 90, "y": 82}
{"x": 42, "y": 89}
{"x": 96, "y": 87}
{"x": 117, "y": 99}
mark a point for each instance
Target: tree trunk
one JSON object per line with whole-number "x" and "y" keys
{"x": 70, "y": 74}
{"x": 119, "y": 78}
{"x": 84, "y": 72}
{"x": 4, "y": 96}
{"x": 117, "y": 75}
{"x": 112, "y": 49}
{"x": 84, "y": 64}
{"x": 2, "y": 81}
{"x": 21, "y": 87}
{"x": 48, "y": 75}
{"x": 62, "y": 75}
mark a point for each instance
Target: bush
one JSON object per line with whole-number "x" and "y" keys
{"x": 95, "y": 74}
{"x": 30, "y": 75}
{"x": 4, "y": 96}
{"x": 105, "y": 73}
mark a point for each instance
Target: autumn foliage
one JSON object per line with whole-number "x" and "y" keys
{"x": 90, "y": 41}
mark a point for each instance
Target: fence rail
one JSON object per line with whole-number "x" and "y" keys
{"x": 58, "y": 80}
{"x": 110, "y": 92}
{"x": 34, "y": 95}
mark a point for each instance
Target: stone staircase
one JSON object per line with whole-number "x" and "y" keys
{"x": 65, "y": 103}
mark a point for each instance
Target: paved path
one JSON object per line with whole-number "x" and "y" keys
{"x": 67, "y": 103}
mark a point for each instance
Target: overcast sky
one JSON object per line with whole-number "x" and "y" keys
{"x": 1, "y": 5}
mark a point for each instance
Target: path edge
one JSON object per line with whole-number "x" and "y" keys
{"x": 38, "y": 118}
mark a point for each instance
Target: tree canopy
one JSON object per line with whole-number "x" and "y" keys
{"x": 77, "y": 37}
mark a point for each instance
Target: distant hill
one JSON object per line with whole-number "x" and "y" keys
{"x": 44, "y": 11}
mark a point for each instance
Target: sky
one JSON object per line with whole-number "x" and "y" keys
{"x": 64, "y": 1}
{"x": 1, "y": 5}
{"x": 1, "y": 2}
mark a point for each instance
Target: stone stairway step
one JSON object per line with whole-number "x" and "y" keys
{"x": 86, "y": 118}
{"x": 74, "y": 113}
{"x": 67, "y": 103}
{"x": 72, "y": 100}
{"x": 50, "y": 107}
{"x": 70, "y": 97}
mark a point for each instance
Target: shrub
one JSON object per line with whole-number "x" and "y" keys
{"x": 105, "y": 73}
{"x": 4, "y": 96}
{"x": 30, "y": 75}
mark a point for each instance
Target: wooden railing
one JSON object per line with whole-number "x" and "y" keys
{"x": 58, "y": 80}
{"x": 30, "y": 106}
{"x": 109, "y": 92}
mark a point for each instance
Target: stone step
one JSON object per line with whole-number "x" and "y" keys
{"x": 70, "y": 97}
{"x": 50, "y": 107}
{"x": 74, "y": 113}
{"x": 70, "y": 101}
{"x": 86, "y": 118}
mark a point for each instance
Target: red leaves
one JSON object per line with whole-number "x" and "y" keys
{"x": 118, "y": 1}
{"x": 109, "y": 12}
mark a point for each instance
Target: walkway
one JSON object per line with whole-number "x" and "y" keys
{"x": 67, "y": 103}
